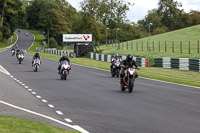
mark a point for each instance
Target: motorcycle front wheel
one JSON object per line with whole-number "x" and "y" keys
{"x": 130, "y": 86}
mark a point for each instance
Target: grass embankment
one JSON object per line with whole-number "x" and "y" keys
{"x": 7, "y": 43}
{"x": 185, "y": 35}
{"x": 171, "y": 75}
{"x": 19, "y": 125}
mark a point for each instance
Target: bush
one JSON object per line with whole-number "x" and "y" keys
{"x": 160, "y": 30}
{"x": 53, "y": 43}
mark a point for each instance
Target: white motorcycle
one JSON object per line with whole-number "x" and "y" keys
{"x": 64, "y": 71}
{"x": 36, "y": 64}
{"x": 20, "y": 58}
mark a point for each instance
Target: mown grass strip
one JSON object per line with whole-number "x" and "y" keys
{"x": 20, "y": 125}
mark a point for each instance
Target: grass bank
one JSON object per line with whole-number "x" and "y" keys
{"x": 175, "y": 37}
{"x": 19, "y": 125}
{"x": 170, "y": 75}
{"x": 7, "y": 43}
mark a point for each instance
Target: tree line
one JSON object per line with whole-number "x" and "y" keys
{"x": 96, "y": 17}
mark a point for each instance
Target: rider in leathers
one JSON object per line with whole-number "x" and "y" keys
{"x": 116, "y": 57}
{"x": 128, "y": 63}
{"x": 63, "y": 58}
{"x": 37, "y": 55}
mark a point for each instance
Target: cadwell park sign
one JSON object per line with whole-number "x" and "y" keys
{"x": 77, "y": 37}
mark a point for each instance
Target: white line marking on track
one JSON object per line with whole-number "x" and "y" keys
{"x": 34, "y": 93}
{"x": 26, "y": 87}
{"x": 23, "y": 84}
{"x": 3, "y": 70}
{"x": 59, "y": 112}
{"x": 20, "y": 82}
{"x": 11, "y": 76}
{"x": 47, "y": 117}
{"x": 38, "y": 96}
{"x": 68, "y": 120}
{"x": 80, "y": 129}
{"x": 30, "y": 90}
{"x": 51, "y": 106}
{"x": 15, "y": 79}
{"x": 45, "y": 101}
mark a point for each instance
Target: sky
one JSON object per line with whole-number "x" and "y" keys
{"x": 140, "y": 9}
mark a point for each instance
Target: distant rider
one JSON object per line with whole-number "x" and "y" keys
{"x": 13, "y": 52}
{"x": 36, "y": 56}
{"x": 113, "y": 60}
{"x": 128, "y": 63}
{"x": 63, "y": 58}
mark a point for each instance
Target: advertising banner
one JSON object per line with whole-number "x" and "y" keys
{"x": 77, "y": 37}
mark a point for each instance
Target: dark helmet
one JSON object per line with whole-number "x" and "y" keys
{"x": 36, "y": 54}
{"x": 116, "y": 55}
{"x": 129, "y": 57}
{"x": 65, "y": 55}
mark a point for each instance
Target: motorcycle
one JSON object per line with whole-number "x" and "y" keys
{"x": 36, "y": 64}
{"x": 64, "y": 71}
{"x": 20, "y": 58}
{"x": 128, "y": 80}
{"x": 13, "y": 52}
{"x": 115, "y": 70}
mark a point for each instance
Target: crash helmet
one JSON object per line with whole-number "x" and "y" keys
{"x": 116, "y": 55}
{"x": 65, "y": 55}
{"x": 36, "y": 54}
{"x": 129, "y": 57}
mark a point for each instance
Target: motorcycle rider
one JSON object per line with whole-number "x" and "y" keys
{"x": 37, "y": 55}
{"x": 17, "y": 52}
{"x": 128, "y": 63}
{"x": 13, "y": 52}
{"x": 63, "y": 58}
{"x": 116, "y": 57}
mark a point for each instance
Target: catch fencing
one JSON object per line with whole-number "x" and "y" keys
{"x": 178, "y": 63}
{"x": 143, "y": 62}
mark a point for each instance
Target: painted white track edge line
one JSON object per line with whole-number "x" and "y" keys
{"x": 44, "y": 116}
{"x": 4, "y": 70}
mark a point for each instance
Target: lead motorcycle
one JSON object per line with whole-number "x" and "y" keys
{"x": 129, "y": 79}
{"x": 64, "y": 70}
{"x": 115, "y": 70}
{"x": 20, "y": 58}
{"x": 36, "y": 64}
{"x": 13, "y": 52}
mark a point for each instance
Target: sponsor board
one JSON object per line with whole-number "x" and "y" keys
{"x": 77, "y": 37}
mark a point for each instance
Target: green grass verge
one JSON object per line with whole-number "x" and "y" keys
{"x": 6, "y": 43}
{"x": 2, "y": 50}
{"x": 20, "y": 125}
{"x": 170, "y": 75}
{"x": 185, "y": 35}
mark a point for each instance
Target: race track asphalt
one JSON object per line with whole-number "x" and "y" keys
{"x": 92, "y": 99}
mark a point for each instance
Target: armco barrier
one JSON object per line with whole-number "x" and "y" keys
{"x": 59, "y": 52}
{"x": 107, "y": 58}
{"x": 178, "y": 63}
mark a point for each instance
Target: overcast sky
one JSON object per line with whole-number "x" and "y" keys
{"x": 141, "y": 7}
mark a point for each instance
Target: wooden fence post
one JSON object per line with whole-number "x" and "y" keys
{"x": 147, "y": 45}
{"x": 127, "y": 45}
{"x": 189, "y": 47}
{"x": 172, "y": 46}
{"x": 165, "y": 46}
{"x": 181, "y": 47}
{"x": 153, "y": 46}
{"x": 131, "y": 45}
{"x": 142, "y": 45}
{"x": 137, "y": 46}
{"x": 159, "y": 46}
{"x": 198, "y": 46}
